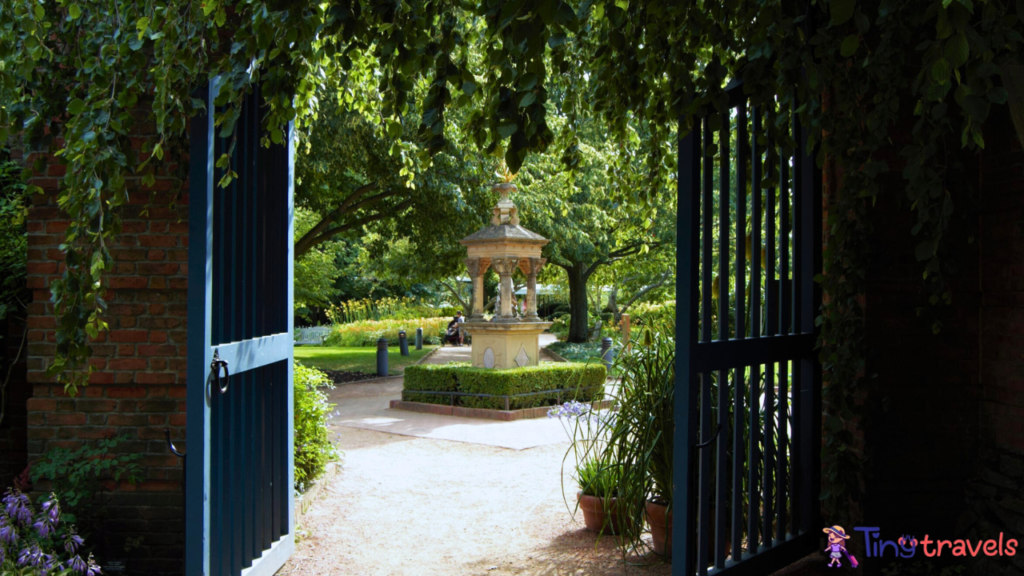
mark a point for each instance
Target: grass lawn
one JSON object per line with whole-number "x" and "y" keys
{"x": 360, "y": 359}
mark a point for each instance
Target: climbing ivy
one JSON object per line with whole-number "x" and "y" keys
{"x": 866, "y": 76}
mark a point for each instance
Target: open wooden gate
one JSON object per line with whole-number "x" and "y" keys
{"x": 748, "y": 400}
{"x": 239, "y": 513}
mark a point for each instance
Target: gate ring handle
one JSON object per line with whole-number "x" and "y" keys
{"x": 216, "y": 365}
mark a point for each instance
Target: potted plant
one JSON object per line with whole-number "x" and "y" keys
{"x": 598, "y": 481}
{"x": 596, "y": 470}
{"x": 640, "y": 438}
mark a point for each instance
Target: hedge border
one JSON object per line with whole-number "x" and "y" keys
{"x": 588, "y": 379}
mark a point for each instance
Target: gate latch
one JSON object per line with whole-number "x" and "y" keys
{"x": 215, "y": 366}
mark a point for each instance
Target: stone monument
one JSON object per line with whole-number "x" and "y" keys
{"x": 505, "y": 341}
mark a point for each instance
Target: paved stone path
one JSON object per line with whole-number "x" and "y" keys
{"x": 367, "y": 406}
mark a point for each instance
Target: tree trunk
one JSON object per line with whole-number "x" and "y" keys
{"x": 579, "y": 330}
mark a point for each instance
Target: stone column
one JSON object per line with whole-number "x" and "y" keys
{"x": 477, "y": 267}
{"x": 505, "y": 267}
{"x": 531, "y": 267}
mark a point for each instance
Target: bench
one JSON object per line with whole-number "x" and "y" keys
{"x": 312, "y": 336}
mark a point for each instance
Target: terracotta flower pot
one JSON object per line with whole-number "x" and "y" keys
{"x": 594, "y": 516}
{"x": 661, "y": 528}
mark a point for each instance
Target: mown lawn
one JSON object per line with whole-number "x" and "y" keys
{"x": 360, "y": 359}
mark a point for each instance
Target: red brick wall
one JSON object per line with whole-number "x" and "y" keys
{"x": 1002, "y": 282}
{"x": 921, "y": 416}
{"x": 139, "y": 387}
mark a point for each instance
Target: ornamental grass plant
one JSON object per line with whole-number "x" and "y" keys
{"x": 640, "y": 436}
{"x": 367, "y": 332}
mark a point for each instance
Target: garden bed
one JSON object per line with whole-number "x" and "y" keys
{"x": 543, "y": 385}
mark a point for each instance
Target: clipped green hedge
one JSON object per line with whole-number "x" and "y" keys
{"x": 588, "y": 379}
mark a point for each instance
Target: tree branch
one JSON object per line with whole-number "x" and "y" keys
{"x": 661, "y": 282}
{"x": 306, "y": 242}
{"x": 456, "y": 294}
{"x": 325, "y": 236}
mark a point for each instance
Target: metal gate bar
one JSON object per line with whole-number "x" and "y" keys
{"x": 750, "y": 504}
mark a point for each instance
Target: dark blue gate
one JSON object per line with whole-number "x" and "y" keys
{"x": 748, "y": 401}
{"x": 239, "y": 510}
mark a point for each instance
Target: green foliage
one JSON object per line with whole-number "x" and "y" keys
{"x": 654, "y": 314}
{"x": 586, "y": 379}
{"x": 313, "y": 446}
{"x": 13, "y": 236}
{"x": 599, "y": 477}
{"x": 640, "y": 436}
{"x": 317, "y": 270}
{"x": 78, "y": 477}
{"x": 367, "y": 332}
{"x": 577, "y": 352}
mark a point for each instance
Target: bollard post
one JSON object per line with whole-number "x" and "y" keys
{"x": 607, "y": 353}
{"x": 419, "y": 338}
{"x": 403, "y": 343}
{"x": 382, "y": 357}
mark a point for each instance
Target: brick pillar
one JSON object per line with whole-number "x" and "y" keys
{"x": 139, "y": 388}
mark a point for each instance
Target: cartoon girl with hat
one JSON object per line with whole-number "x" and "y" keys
{"x": 836, "y": 546}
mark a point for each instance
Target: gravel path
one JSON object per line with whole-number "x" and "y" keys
{"x": 419, "y": 506}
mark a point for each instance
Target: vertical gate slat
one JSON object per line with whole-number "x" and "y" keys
{"x": 687, "y": 278}
{"x": 753, "y": 456}
{"x": 741, "y": 219}
{"x": 798, "y": 295}
{"x": 704, "y": 494}
{"x": 722, "y": 443}
{"x": 244, "y": 152}
{"x": 756, "y": 264}
{"x": 781, "y": 457}
{"x": 740, "y": 332}
{"x": 785, "y": 302}
{"x": 265, "y": 496}
{"x": 227, "y": 510}
{"x": 216, "y": 473}
{"x": 770, "y": 260}
{"x": 275, "y": 384}
{"x": 769, "y": 451}
{"x": 285, "y": 488}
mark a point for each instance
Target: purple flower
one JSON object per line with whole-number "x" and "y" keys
{"x": 52, "y": 510}
{"x": 8, "y": 534}
{"x": 16, "y": 505}
{"x": 72, "y": 543}
{"x": 30, "y": 556}
{"x": 93, "y": 569}
{"x": 77, "y": 565}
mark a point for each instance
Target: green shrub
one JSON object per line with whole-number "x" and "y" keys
{"x": 313, "y": 447}
{"x": 660, "y": 314}
{"x": 582, "y": 352}
{"x": 77, "y": 477}
{"x": 366, "y": 332}
{"x": 587, "y": 379}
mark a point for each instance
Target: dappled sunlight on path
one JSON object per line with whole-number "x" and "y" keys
{"x": 420, "y": 506}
